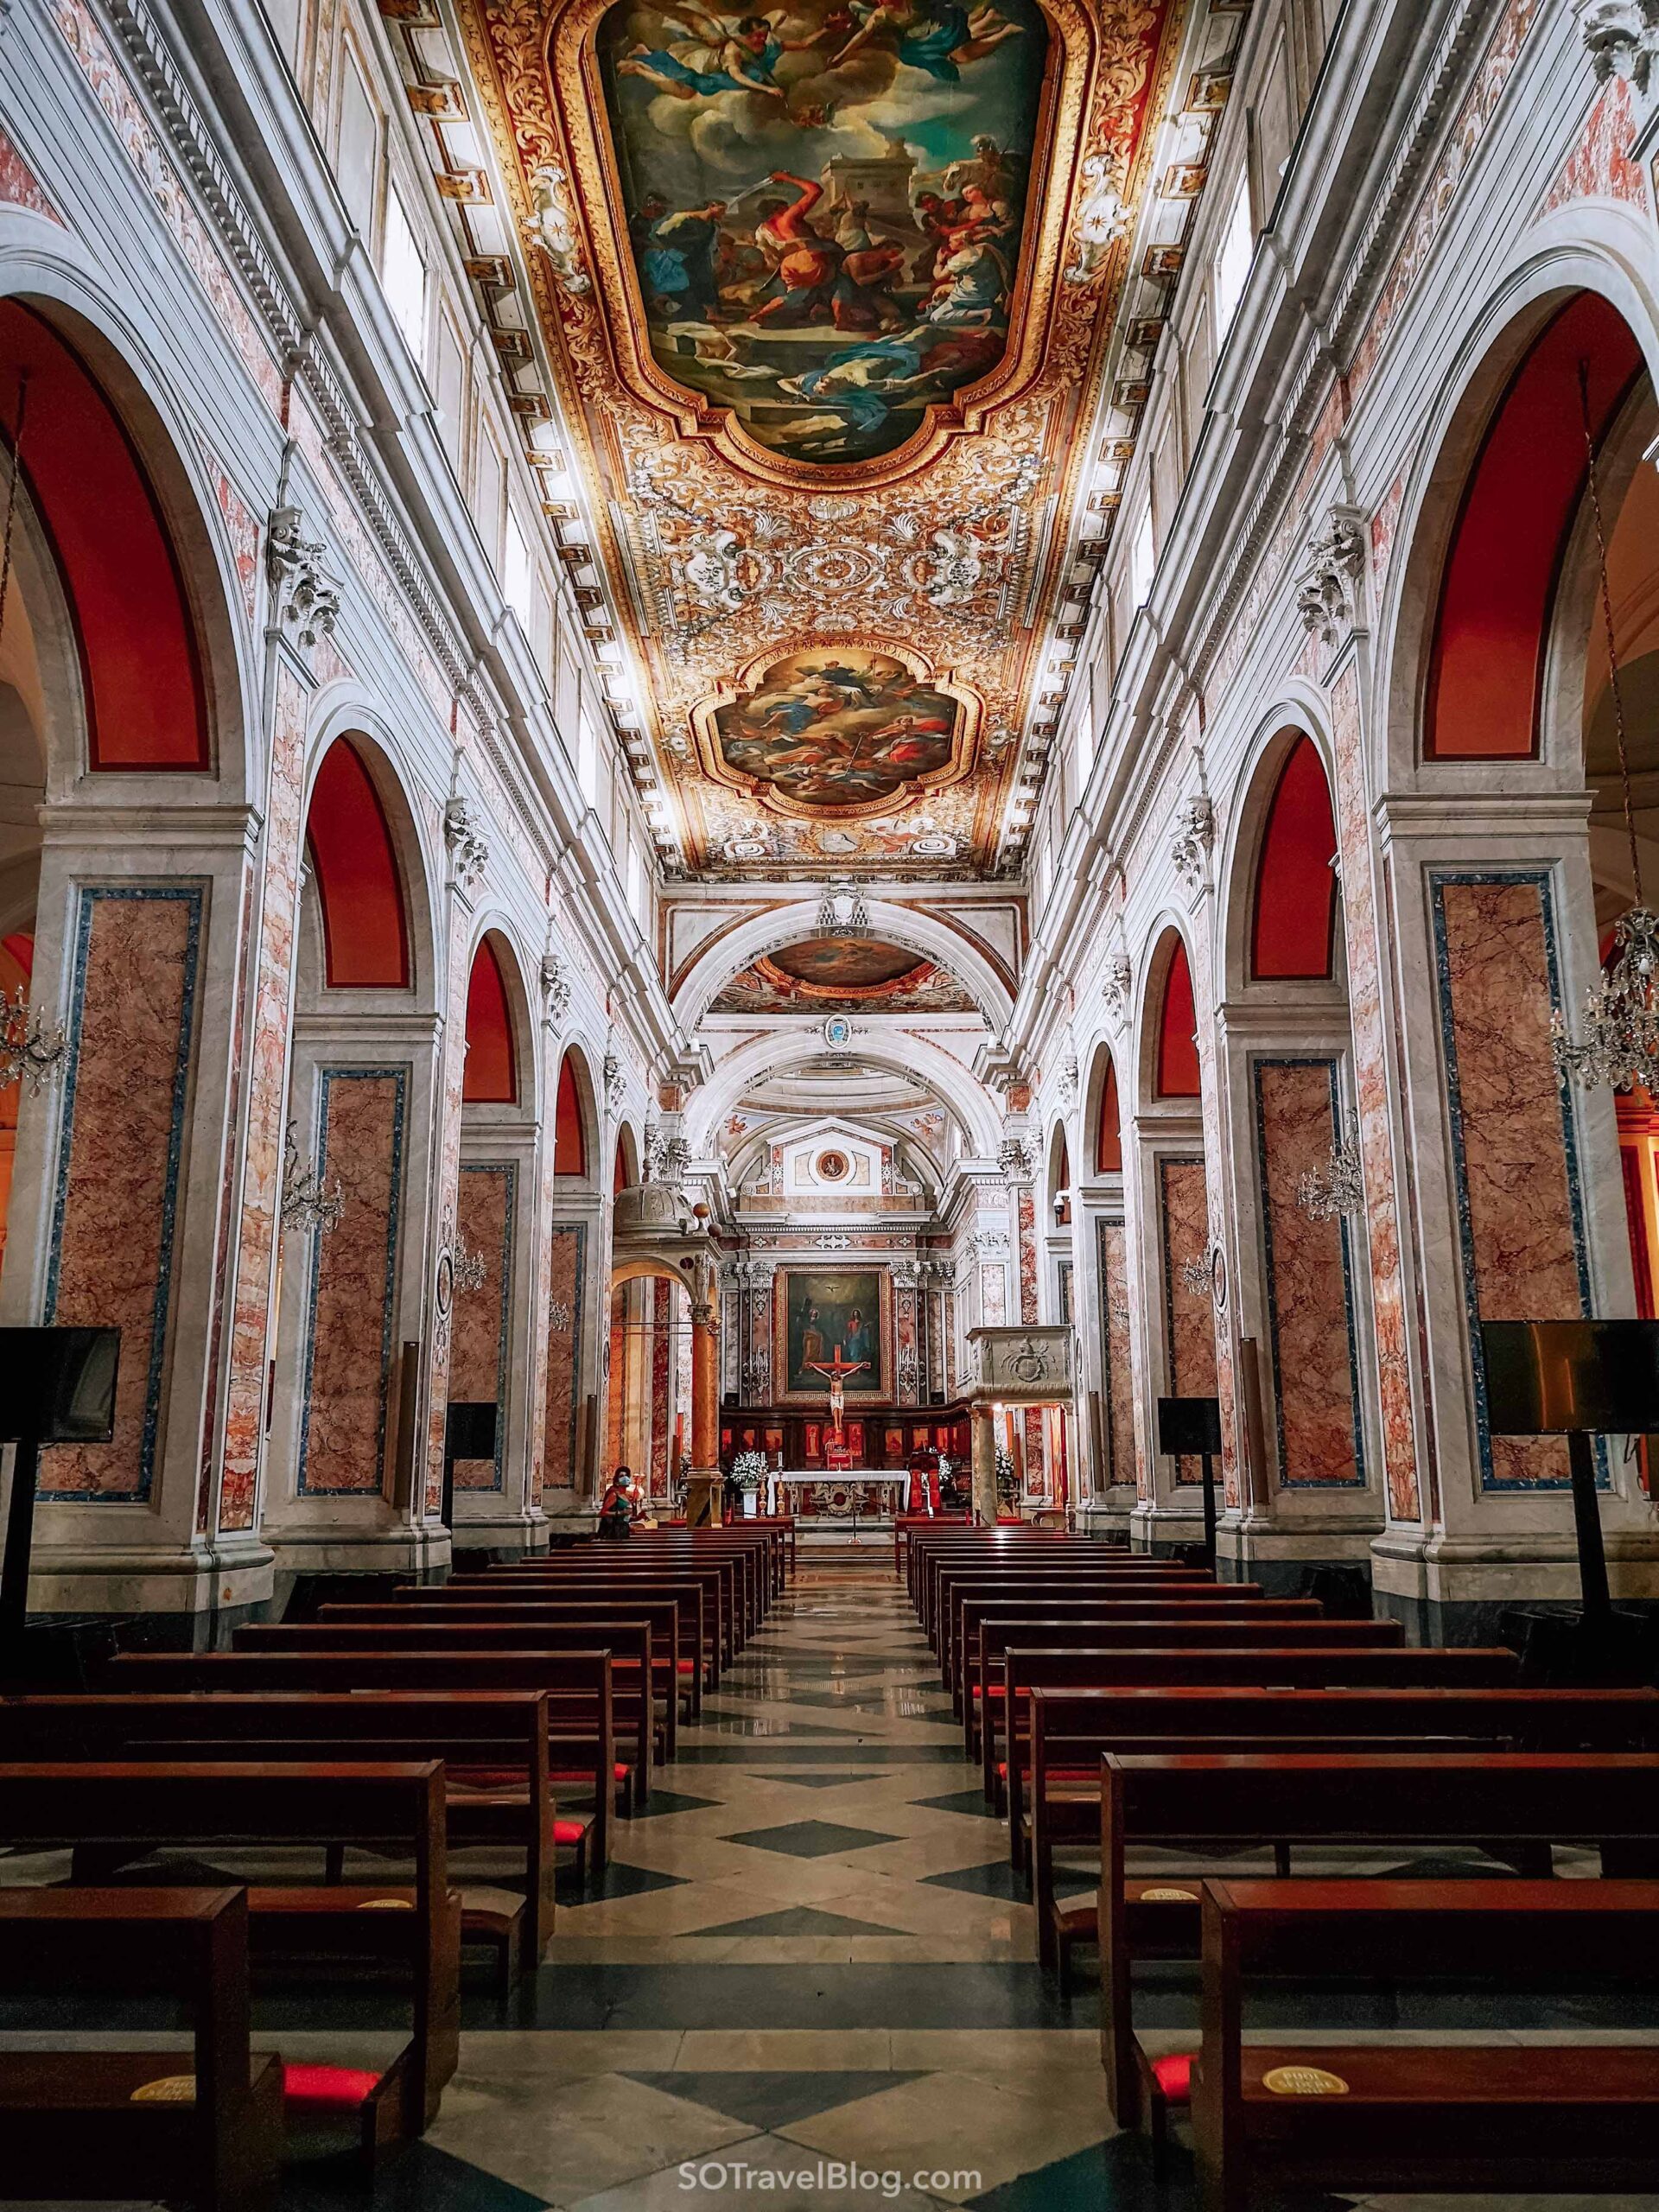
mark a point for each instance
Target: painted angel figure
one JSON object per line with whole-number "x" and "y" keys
{"x": 724, "y": 54}
{"x": 933, "y": 35}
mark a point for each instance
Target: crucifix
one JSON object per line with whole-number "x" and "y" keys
{"x": 838, "y": 1369}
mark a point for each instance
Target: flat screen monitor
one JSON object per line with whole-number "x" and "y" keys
{"x": 58, "y": 1385}
{"x": 1189, "y": 1428}
{"x": 469, "y": 1429}
{"x": 1546, "y": 1378}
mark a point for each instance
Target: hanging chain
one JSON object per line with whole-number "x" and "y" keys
{"x": 11, "y": 498}
{"x": 1607, "y": 623}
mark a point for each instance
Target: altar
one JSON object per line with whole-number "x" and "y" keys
{"x": 850, "y": 1494}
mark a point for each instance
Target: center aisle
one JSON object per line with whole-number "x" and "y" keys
{"x": 806, "y": 1953}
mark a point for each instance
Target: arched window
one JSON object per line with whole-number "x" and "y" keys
{"x": 492, "y": 1071}
{"x": 360, "y": 888}
{"x": 1293, "y": 923}
{"x": 1177, "y": 1044}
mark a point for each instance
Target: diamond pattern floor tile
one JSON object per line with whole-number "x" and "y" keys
{"x": 799, "y": 1920}
{"x": 771, "y": 2101}
{"x": 810, "y": 1839}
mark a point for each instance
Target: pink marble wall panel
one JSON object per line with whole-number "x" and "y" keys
{"x": 907, "y": 1374}
{"x": 451, "y": 1068}
{"x": 224, "y": 1249}
{"x": 1368, "y": 1021}
{"x": 992, "y": 1294}
{"x": 661, "y": 1353}
{"x": 115, "y": 1220}
{"x": 1599, "y": 166}
{"x": 354, "y": 1284}
{"x": 477, "y": 1351}
{"x": 949, "y": 1344}
{"x": 1026, "y": 1216}
{"x": 681, "y": 1397}
{"x": 567, "y": 1259}
{"x": 1514, "y": 1174}
{"x": 1315, "y": 1412}
{"x": 1189, "y": 1315}
{"x": 256, "y": 1244}
{"x": 19, "y": 185}
{"x": 1117, "y": 1375}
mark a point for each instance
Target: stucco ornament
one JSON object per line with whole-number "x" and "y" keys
{"x": 305, "y": 591}
{"x": 1328, "y": 591}
{"x": 1622, "y": 39}
{"x": 1195, "y": 832}
{"x": 469, "y": 856}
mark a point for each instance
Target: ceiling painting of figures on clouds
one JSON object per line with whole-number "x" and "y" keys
{"x": 826, "y": 204}
{"x": 829, "y": 294}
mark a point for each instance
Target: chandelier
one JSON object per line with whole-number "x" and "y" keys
{"x": 29, "y": 1051}
{"x": 1619, "y": 1045}
{"x": 471, "y": 1268}
{"x": 305, "y": 1204}
{"x": 1328, "y": 1193}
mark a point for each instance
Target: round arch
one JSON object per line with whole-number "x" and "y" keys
{"x": 624, "y": 1165}
{"x": 1160, "y": 1019}
{"x": 344, "y": 715}
{"x": 1100, "y": 1140}
{"x": 972, "y": 1105}
{"x": 576, "y": 1118}
{"x": 1591, "y": 249}
{"x": 43, "y": 275}
{"x": 728, "y": 955}
{"x": 1284, "y": 848}
{"x": 498, "y": 1001}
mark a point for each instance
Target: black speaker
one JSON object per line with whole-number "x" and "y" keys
{"x": 58, "y": 1385}
{"x": 1189, "y": 1428}
{"x": 729, "y": 1400}
{"x": 469, "y": 1429}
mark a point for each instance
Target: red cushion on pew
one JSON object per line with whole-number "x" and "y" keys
{"x": 569, "y": 1831}
{"x": 1174, "y": 2075}
{"x": 620, "y": 1773}
{"x": 998, "y": 1689}
{"x": 686, "y": 1666}
{"x": 487, "y": 1777}
{"x": 328, "y": 2089}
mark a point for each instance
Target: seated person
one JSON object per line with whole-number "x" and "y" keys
{"x": 620, "y": 1507}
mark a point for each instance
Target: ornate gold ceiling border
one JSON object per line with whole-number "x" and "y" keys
{"x": 717, "y": 563}
{"x": 580, "y": 94}
{"x": 964, "y": 756}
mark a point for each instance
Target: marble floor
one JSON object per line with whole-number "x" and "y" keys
{"x": 807, "y": 1982}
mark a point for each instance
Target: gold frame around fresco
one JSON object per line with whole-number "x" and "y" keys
{"x": 579, "y": 97}
{"x": 963, "y": 759}
{"x": 850, "y": 1264}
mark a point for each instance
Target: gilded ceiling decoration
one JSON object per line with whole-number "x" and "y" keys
{"x": 828, "y": 321}
{"x": 832, "y": 975}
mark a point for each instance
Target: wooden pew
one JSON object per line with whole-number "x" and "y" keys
{"x": 698, "y": 1598}
{"x": 740, "y": 1567}
{"x": 78, "y": 2124}
{"x": 494, "y": 1746}
{"x": 633, "y": 1703}
{"x": 947, "y": 1579}
{"x": 1289, "y": 1666}
{"x": 581, "y": 1741}
{"x": 674, "y": 1633}
{"x": 1520, "y": 1802}
{"x": 988, "y": 1640}
{"x": 1289, "y": 1615}
{"x": 1072, "y": 1729}
{"x": 1501, "y": 2119}
{"x": 955, "y": 1596}
{"x": 115, "y": 1811}
{"x": 988, "y": 1544}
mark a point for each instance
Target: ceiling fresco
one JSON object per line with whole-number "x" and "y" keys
{"x": 826, "y": 204}
{"x": 838, "y": 734}
{"x": 827, "y": 325}
{"x": 836, "y": 975}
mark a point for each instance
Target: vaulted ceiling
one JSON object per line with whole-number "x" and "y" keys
{"x": 836, "y": 299}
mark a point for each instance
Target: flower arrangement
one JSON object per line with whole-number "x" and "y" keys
{"x": 749, "y": 1470}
